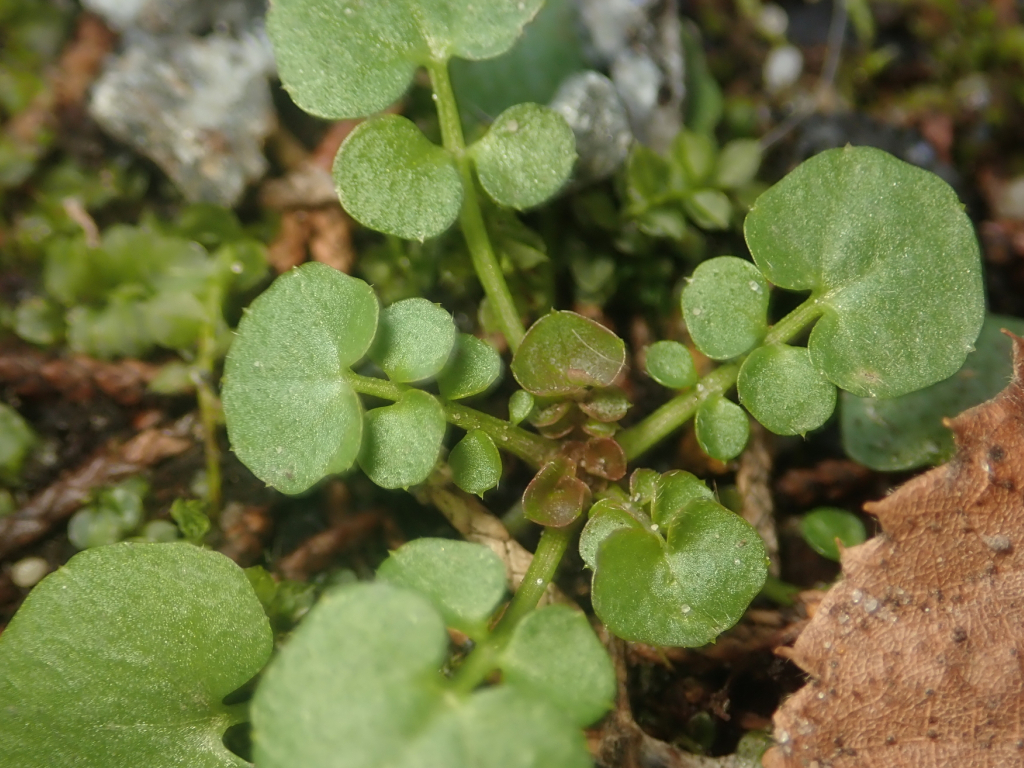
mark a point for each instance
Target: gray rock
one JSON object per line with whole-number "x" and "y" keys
{"x": 592, "y": 107}
{"x": 198, "y": 107}
{"x": 168, "y": 16}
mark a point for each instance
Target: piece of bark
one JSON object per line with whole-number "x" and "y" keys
{"x": 917, "y": 656}
{"x": 753, "y": 481}
{"x": 317, "y": 552}
{"x": 51, "y": 507}
{"x": 29, "y": 372}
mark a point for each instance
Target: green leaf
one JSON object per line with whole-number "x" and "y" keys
{"x": 414, "y": 340}
{"x": 391, "y": 178}
{"x": 670, "y": 364}
{"x": 16, "y": 442}
{"x": 124, "y": 657}
{"x": 725, "y": 306}
{"x": 39, "y": 321}
{"x": 549, "y": 50}
{"x": 892, "y": 263}
{"x": 783, "y": 390}
{"x": 648, "y": 179}
{"x": 554, "y": 654}
{"x": 563, "y": 353}
{"x": 822, "y": 526}
{"x": 738, "y": 163}
{"x": 684, "y": 590}
{"x": 191, "y": 519}
{"x": 520, "y": 406}
{"x": 526, "y": 156}
{"x": 116, "y": 330}
{"x": 555, "y": 496}
{"x": 111, "y": 516}
{"x": 475, "y": 463}
{"x": 674, "y": 491}
{"x": 403, "y": 440}
{"x": 605, "y": 517}
{"x": 358, "y": 686}
{"x": 709, "y": 209}
{"x": 695, "y": 154}
{"x": 174, "y": 319}
{"x": 473, "y": 367}
{"x": 607, "y": 404}
{"x": 291, "y": 417}
{"x": 722, "y": 428}
{"x": 907, "y": 432}
{"x": 465, "y": 582}
{"x": 349, "y": 58}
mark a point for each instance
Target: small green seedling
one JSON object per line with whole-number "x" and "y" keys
{"x": 824, "y": 526}
{"x": 321, "y": 379}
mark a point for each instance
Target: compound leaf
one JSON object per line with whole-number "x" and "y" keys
{"x": 414, "y": 340}
{"x": 350, "y": 58}
{"x": 891, "y": 260}
{"x": 908, "y": 431}
{"x": 475, "y": 463}
{"x": 725, "y": 306}
{"x": 554, "y": 654}
{"x": 358, "y": 686}
{"x": 464, "y": 581}
{"x": 123, "y": 657}
{"x": 783, "y": 390}
{"x": 472, "y": 368}
{"x": 403, "y": 440}
{"x": 291, "y": 417}
{"x": 526, "y": 156}
{"x": 391, "y": 178}
{"x": 555, "y": 496}
{"x": 563, "y": 353}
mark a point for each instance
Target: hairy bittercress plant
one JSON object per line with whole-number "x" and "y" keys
{"x": 890, "y": 271}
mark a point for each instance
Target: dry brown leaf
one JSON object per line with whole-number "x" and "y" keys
{"x": 917, "y": 656}
{"x": 29, "y": 372}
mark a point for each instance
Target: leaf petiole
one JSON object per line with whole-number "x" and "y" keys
{"x": 473, "y": 228}
{"x": 531, "y": 448}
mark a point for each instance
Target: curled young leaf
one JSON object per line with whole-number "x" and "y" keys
{"x": 563, "y": 353}
{"x": 391, "y": 178}
{"x": 604, "y": 457}
{"x": 526, "y": 156}
{"x": 674, "y": 491}
{"x": 520, "y": 406}
{"x": 783, "y": 390}
{"x": 403, "y": 440}
{"x": 475, "y": 462}
{"x": 124, "y": 657}
{"x": 607, "y": 404}
{"x": 464, "y": 581}
{"x": 472, "y": 368}
{"x": 670, "y": 364}
{"x": 722, "y": 428}
{"x": 414, "y": 340}
{"x": 555, "y": 496}
{"x": 725, "y": 306}
{"x": 350, "y": 58}
{"x": 291, "y": 417}
{"x": 891, "y": 261}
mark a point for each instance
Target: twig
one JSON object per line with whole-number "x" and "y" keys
{"x": 753, "y": 480}
{"x": 48, "y": 509}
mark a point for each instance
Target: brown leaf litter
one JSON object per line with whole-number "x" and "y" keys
{"x": 916, "y": 657}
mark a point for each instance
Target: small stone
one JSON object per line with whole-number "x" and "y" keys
{"x": 29, "y": 571}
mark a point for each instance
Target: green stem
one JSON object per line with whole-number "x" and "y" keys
{"x": 531, "y": 448}
{"x": 482, "y": 661}
{"x": 209, "y": 404}
{"x": 796, "y": 321}
{"x": 488, "y": 270}
{"x": 641, "y": 437}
